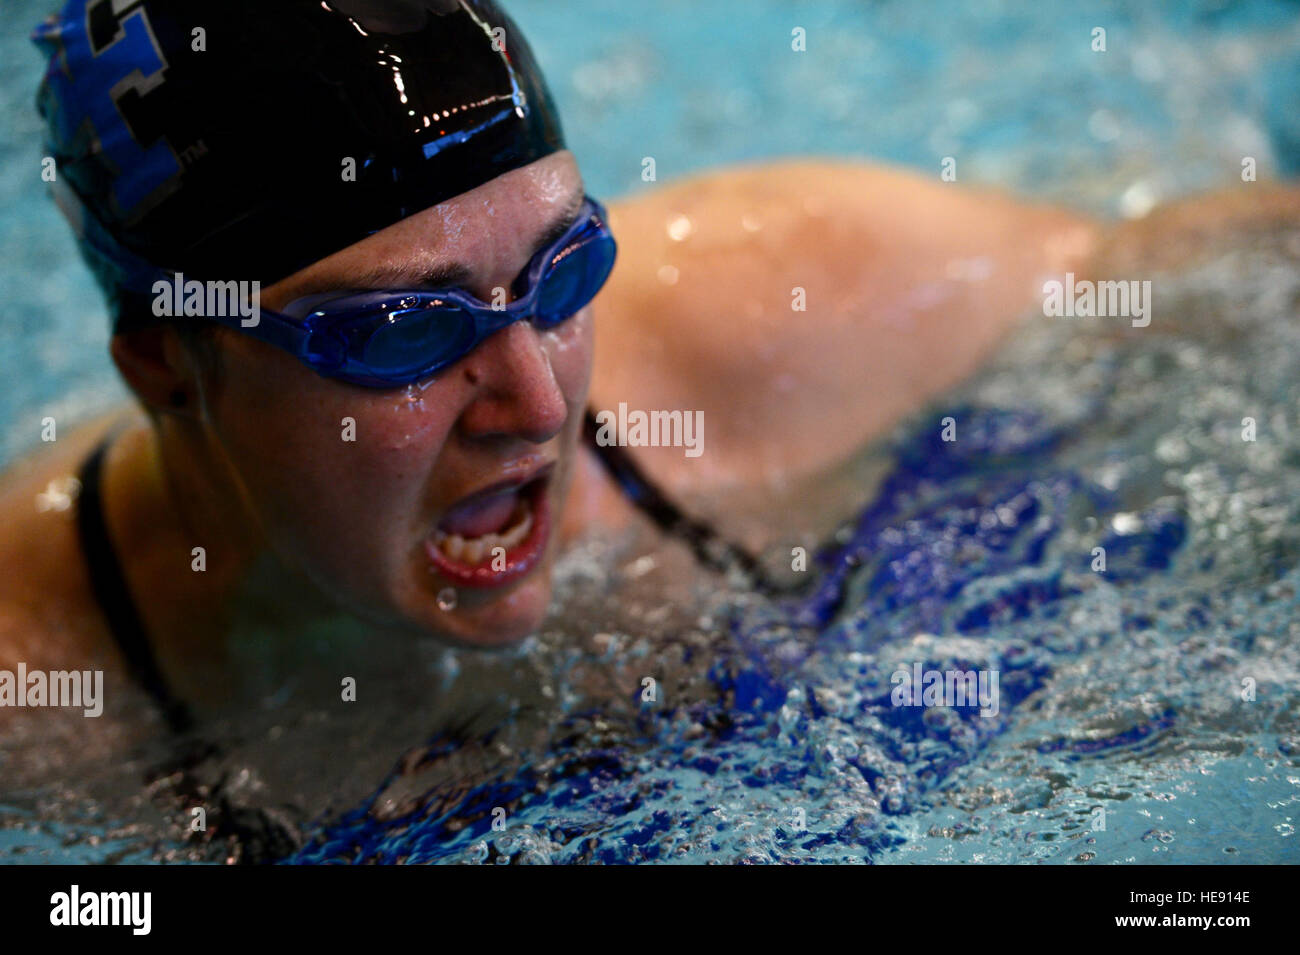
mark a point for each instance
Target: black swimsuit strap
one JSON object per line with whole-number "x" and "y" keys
{"x": 109, "y": 586}
{"x": 709, "y": 547}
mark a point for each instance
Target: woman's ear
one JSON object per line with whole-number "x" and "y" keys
{"x": 157, "y": 367}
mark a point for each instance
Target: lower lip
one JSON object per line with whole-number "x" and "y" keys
{"x": 520, "y": 559}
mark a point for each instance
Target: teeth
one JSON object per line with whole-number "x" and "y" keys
{"x": 452, "y": 546}
{"x": 478, "y": 550}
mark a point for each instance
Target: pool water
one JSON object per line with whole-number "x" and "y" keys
{"x": 1121, "y": 734}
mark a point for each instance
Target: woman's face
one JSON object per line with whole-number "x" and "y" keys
{"x": 389, "y": 499}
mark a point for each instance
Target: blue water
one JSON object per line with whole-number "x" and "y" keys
{"x": 1121, "y": 690}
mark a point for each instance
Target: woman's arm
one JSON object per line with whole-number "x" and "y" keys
{"x": 907, "y": 284}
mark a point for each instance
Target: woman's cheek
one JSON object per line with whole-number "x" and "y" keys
{"x": 387, "y": 447}
{"x": 570, "y": 347}
{"x": 315, "y": 453}
{"x": 415, "y": 418}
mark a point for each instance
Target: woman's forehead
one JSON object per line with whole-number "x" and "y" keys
{"x": 449, "y": 243}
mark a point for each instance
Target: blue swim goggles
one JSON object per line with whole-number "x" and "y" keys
{"x": 389, "y": 338}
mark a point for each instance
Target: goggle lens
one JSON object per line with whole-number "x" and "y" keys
{"x": 386, "y": 338}
{"x": 574, "y": 278}
{"x": 409, "y": 342}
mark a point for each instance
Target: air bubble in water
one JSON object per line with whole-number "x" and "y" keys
{"x": 788, "y": 718}
{"x": 447, "y": 598}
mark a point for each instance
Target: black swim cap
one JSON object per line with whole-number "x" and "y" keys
{"x": 216, "y": 137}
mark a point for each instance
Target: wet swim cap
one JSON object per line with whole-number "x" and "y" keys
{"x": 246, "y": 139}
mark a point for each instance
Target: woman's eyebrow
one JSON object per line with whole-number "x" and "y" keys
{"x": 385, "y": 276}
{"x": 453, "y": 273}
{"x": 562, "y": 222}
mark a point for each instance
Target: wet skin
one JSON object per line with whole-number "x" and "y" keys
{"x": 909, "y": 285}
{"x": 363, "y": 511}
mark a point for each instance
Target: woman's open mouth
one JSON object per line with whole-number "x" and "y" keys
{"x": 493, "y": 538}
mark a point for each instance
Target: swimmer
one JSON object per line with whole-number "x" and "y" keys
{"x": 394, "y": 444}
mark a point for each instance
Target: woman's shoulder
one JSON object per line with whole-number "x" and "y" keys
{"x": 47, "y": 613}
{"x": 804, "y": 306}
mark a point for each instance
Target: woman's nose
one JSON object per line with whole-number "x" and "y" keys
{"x": 516, "y": 391}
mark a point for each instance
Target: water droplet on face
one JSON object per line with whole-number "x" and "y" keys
{"x": 405, "y": 404}
{"x": 447, "y": 598}
{"x": 412, "y": 398}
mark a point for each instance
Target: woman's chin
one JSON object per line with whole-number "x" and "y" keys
{"x": 487, "y": 619}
